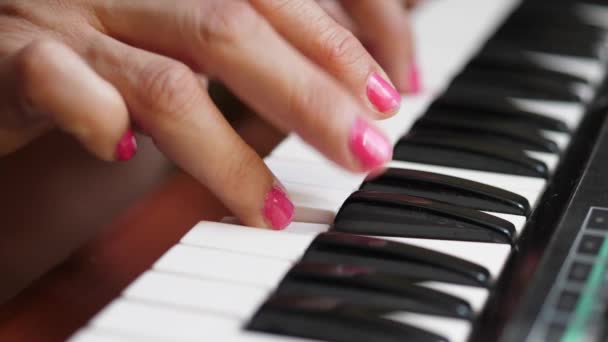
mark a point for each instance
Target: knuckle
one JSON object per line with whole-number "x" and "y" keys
{"x": 228, "y": 22}
{"x": 167, "y": 89}
{"x": 33, "y": 65}
{"x": 340, "y": 45}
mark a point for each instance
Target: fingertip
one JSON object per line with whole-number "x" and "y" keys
{"x": 278, "y": 210}
{"x": 126, "y": 147}
{"x": 369, "y": 145}
{"x": 382, "y": 95}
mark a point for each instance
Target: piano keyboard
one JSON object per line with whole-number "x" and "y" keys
{"x": 413, "y": 253}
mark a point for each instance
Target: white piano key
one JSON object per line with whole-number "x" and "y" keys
{"x": 223, "y": 265}
{"x": 492, "y": 256}
{"x": 590, "y": 69}
{"x": 434, "y": 42}
{"x": 475, "y": 296}
{"x": 561, "y": 139}
{"x": 294, "y": 227}
{"x": 314, "y": 203}
{"x": 550, "y": 159}
{"x": 294, "y": 148}
{"x": 594, "y": 14}
{"x": 90, "y": 335}
{"x": 221, "y": 297}
{"x": 412, "y": 108}
{"x": 569, "y": 112}
{"x": 141, "y": 322}
{"x": 163, "y": 323}
{"x": 324, "y": 175}
{"x": 518, "y": 221}
{"x": 455, "y": 330}
{"x": 529, "y": 187}
{"x": 240, "y": 239}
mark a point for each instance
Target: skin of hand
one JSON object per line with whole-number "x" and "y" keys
{"x": 384, "y": 29}
{"x": 96, "y": 68}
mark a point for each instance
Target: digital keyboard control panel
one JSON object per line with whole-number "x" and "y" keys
{"x": 576, "y": 304}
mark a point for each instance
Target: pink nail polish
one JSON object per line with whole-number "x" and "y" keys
{"x": 369, "y": 145}
{"x": 278, "y": 209}
{"x": 414, "y": 82}
{"x": 127, "y": 146}
{"x": 382, "y": 94}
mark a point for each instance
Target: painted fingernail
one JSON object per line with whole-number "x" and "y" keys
{"x": 369, "y": 145}
{"x": 278, "y": 209}
{"x": 127, "y": 146}
{"x": 382, "y": 94}
{"x": 414, "y": 82}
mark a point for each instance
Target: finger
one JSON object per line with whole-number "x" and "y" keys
{"x": 335, "y": 10}
{"x": 169, "y": 102}
{"x": 265, "y": 71}
{"x": 311, "y": 30}
{"x": 386, "y": 29}
{"x": 55, "y": 86}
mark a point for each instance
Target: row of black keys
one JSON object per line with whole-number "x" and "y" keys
{"x": 474, "y": 125}
{"x": 345, "y": 283}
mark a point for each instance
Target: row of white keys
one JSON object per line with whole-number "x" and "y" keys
{"x": 328, "y": 176}
{"x": 179, "y": 303}
{"x": 256, "y": 243}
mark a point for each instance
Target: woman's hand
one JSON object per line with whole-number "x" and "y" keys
{"x": 383, "y": 26}
{"x": 93, "y": 68}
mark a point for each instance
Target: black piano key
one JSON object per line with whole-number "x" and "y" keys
{"x": 393, "y": 214}
{"x": 566, "y": 19}
{"x": 564, "y": 43}
{"x": 330, "y": 319}
{"x": 459, "y": 102}
{"x": 369, "y": 254}
{"x": 518, "y": 62}
{"x": 497, "y": 83}
{"x": 379, "y": 293}
{"x": 447, "y": 189}
{"x": 453, "y": 150}
{"x": 528, "y": 138}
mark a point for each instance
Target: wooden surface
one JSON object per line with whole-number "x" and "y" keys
{"x": 129, "y": 214}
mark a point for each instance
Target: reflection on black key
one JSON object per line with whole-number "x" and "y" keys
{"x": 453, "y": 150}
{"x": 524, "y": 137}
{"x": 392, "y": 214}
{"x": 395, "y": 259}
{"x": 447, "y": 189}
{"x": 376, "y": 292}
{"x": 560, "y": 44}
{"x": 497, "y": 83}
{"x": 520, "y": 61}
{"x": 457, "y": 102}
{"x": 330, "y": 319}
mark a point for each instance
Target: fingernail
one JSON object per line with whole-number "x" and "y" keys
{"x": 369, "y": 145}
{"x": 382, "y": 94}
{"x": 127, "y": 146}
{"x": 414, "y": 82}
{"x": 278, "y": 209}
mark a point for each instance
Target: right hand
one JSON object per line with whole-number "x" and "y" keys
{"x": 93, "y": 68}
